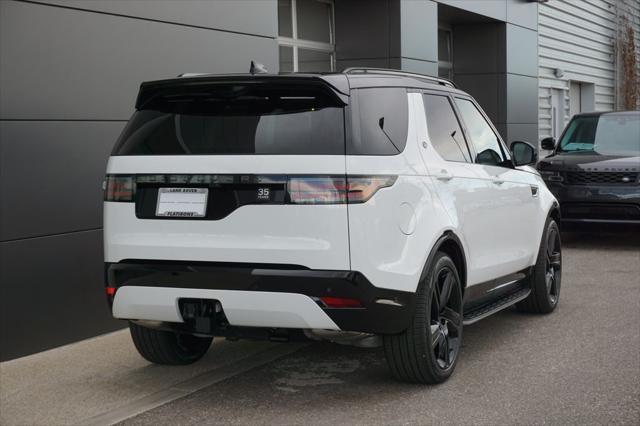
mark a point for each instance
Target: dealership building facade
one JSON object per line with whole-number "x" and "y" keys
{"x": 70, "y": 70}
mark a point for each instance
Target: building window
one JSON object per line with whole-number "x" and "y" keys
{"x": 445, "y": 53}
{"x": 306, "y": 35}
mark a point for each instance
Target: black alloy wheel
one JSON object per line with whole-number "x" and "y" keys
{"x": 553, "y": 265}
{"x": 546, "y": 274}
{"x": 427, "y": 351}
{"x": 446, "y": 322}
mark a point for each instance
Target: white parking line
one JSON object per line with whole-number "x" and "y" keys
{"x": 103, "y": 380}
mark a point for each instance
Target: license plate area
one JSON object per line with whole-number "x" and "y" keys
{"x": 182, "y": 202}
{"x": 226, "y": 194}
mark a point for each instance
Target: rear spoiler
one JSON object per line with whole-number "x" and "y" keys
{"x": 336, "y": 85}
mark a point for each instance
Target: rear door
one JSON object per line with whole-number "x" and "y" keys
{"x": 235, "y": 172}
{"x": 470, "y": 198}
{"x": 506, "y": 241}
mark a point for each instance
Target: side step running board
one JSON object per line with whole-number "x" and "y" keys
{"x": 493, "y": 307}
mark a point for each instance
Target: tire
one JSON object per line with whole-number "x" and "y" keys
{"x": 547, "y": 273}
{"x": 166, "y": 347}
{"x": 427, "y": 352}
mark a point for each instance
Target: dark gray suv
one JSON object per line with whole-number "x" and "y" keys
{"x": 594, "y": 169}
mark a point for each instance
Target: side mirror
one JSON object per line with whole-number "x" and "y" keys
{"x": 523, "y": 153}
{"x": 548, "y": 144}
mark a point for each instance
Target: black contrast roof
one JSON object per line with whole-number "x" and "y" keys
{"x": 340, "y": 82}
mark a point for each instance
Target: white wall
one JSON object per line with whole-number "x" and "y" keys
{"x": 579, "y": 38}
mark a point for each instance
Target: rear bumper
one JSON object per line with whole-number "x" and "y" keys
{"x": 582, "y": 203}
{"x": 267, "y": 296}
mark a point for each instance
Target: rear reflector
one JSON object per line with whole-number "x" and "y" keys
{"x": 111, "y": 291}
{"x": 341, "y": 302}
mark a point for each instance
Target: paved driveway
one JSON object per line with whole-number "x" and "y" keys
{"x": 580, "y": 365}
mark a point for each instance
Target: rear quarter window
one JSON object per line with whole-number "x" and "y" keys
{"x": 372, "y": 107}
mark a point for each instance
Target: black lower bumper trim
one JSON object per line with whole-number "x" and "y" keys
{"x": 373, "y": 317}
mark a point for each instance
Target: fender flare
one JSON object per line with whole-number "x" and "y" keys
{"x": 447, "y": 236}
{"x": 555, "y": 212}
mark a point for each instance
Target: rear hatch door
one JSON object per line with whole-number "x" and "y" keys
{"x": 246, "y": 171}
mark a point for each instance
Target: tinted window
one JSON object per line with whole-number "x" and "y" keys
{"x": 485, "y": 141}
{"x": 444, "y": 130}
{"x": 314, "y": 20}
{"x": 615, "y": 134}
{"x": 313, "y": 61}
{"x": 380, "y": 125}
{"x": 253, "y": 122}
{"x": 285, "y": 27}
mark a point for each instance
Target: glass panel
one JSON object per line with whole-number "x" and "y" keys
{"x": 608, "y": 134}
{"x": 444, "y": 130}
{"x": 286, "y": 58}
{"x": 257, "y": 119}
{"x": 384, "y": 121}
{"x": 285, "y": 27}
{"x": 444, "y": 46}
{"x": 314, "y": 20}
{"x": 313, "y": 61}
{"x": 484, "y": 140}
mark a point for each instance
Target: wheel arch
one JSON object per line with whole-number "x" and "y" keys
{"x": 554, "y": 213}
{"x": 450, "y": 244}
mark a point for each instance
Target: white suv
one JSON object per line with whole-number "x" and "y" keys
{"x": 369, "y": 206}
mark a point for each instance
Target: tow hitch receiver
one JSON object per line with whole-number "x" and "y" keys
{"x": 204, "y": 315}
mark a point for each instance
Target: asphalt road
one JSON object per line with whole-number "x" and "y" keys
{"x": 579, "y": 365}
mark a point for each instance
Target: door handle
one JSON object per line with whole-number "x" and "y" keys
{"x": 498, "y": 181}
{"x": 444, "y": 175}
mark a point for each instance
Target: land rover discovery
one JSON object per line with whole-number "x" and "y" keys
{"x": 365, "y": 207}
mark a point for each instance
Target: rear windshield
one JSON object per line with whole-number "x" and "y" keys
{"x": 235, "y": 120}
{"x": 615, "y": 134}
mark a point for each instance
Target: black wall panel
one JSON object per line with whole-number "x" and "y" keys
{"x": 60, "y": 63}
{"x": 51, "y": 292}
{"x": 69, "y": 75}
{"x": 51, "y": 176}
{"x": 248, "y": 16}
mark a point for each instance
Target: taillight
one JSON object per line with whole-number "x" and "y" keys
{"x": 301, "y": 189}
{"x": 317, "y": 190}
{"x": 335, "y": 190}
{"x": 119, "y": 188}
{"x": 362, "y": 188}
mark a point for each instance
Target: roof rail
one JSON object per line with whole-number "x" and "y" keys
{"x": 384, "y": 71}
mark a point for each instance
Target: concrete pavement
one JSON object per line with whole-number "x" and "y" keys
{"x": 103, "y": 380}
{"x": 579, "y": 365}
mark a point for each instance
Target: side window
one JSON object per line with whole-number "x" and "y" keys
{"x": 381, "y": 121}
{"x": 484, "y": 140}
{"x": 444, "y": 130}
